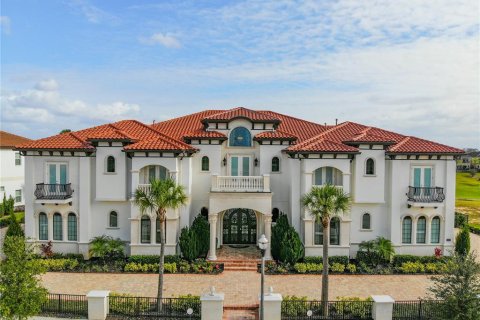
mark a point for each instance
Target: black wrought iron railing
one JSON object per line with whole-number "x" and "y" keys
{"x": 146, "y": 307}
{"x": 417, "y": 310}
{"x": 425, "y": 194}
{"x": 53, "y": 191}
{"x": 345, "y": 310}
{"x": 65, "y": 305}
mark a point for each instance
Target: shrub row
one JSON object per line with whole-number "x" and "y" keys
{"x": 399, "y": 260}
{"x": 151, "y": 259}
{"x": 418, "y": 267}
{"x": 333, "y": 259}
{"x": 182, "y": 267}
{"x": 318, "y": 267}
{"x": 58, "y": 264}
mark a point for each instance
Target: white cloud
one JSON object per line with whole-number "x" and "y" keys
{"x": 165, "y": 40}
{"x": 5, "y": 24}
{"x": 44, "y": 105}
{"x": 92, "y": 13}
{"x": 47, "y": 85}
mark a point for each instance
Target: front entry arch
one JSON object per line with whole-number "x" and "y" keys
{"x": 239, "y": 226}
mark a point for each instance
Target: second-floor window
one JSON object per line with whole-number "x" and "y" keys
{"x": 113, "y": 219}
{"x": 422, "y": 177}
{"x": 110, "y": 164}
{"x": 18, "y": 195}
{"x": 366, "y": 221}
{"x": 57, "y": 173}
{"x": 18, "y": 159}
{"x": 240, "y": 137}
{"x": 275, "y": 164}
{"x": 370, "y": 167}
{"x": 205, "y": 163}
{"x": 328, "y": 175}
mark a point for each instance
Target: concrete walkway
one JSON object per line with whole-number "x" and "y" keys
{"x": 240, "y": 287}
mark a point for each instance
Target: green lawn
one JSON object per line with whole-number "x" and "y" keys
{"x": 468, "y": 195}
{"x": 19, "y": 215}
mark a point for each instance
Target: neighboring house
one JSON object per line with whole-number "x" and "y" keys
{"x": 468, "y": 161}
{"x": 12, "y": 167}
{"x": 241, "y": 168}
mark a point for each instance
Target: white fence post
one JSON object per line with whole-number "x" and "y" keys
{"x": 382, "y": 307}
{"x": 272, "y": 306}
{"x": 212, "y": 305}
{"x": 97, "y": 304}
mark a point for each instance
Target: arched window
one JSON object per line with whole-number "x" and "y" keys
{"x": 334, "y": 232}
{"x": 42, "y": 226}
{"x": 328, "y": 175}
{"x": 366, "y": 223}
{"x": 407, "y": 230}
{"x": 275, "y": 214}
{"x": 370, "y": 166}
{"x": 435, "y": 230}
{"x": 110, "y": 164}
{"x": 72, "y": 227}
{"x": 240, "y": 137}
{"x": 57, "y": 227}
{"x": 153, "y": 172}
{"x": 145, "y": 230}
{"x": 204, "y": 212}
{"x": 421, "y": 229}
{"x": 205, "y": 163}
{"x": 275, "y": 164}
{"x": 113, "y": 219}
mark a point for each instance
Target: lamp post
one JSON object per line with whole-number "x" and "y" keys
{"x": 262, "y": 244}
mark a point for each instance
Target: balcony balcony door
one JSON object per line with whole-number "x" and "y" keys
{"x": 57, "y": 173}
{"x": 240, "y": 165}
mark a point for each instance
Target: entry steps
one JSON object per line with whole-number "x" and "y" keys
{"x": 239, "y": 265}
{"x": 241, "y": 312}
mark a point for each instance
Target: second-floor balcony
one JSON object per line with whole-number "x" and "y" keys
{"x": 425, "y": 194}
{"x": 240, "y": 183}
{"x": 44, "y": 191}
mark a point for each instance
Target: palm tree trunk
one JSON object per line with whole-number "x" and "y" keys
{"x": 161, "y": 263}
{"x": 326, "y": 239}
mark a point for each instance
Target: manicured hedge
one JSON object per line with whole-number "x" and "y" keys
{"x": 400, "y": 259}
{"x": 331, "y": 260}
{"x": 474, "y": 228}
{"x": 151, "y": 259}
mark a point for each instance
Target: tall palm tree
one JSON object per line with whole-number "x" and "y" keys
{"x": 162, "y": 195}
{"x": 324, "y": 203}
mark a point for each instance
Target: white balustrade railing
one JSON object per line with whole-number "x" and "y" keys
{"x": 145, "y": 187}
{"x": 241, "y": 183}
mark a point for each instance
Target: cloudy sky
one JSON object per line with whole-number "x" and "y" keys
{"x": 411, "y": 66}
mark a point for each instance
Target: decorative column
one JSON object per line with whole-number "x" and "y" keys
{"x": 382, "y": 307}
{"x": 65, "y": 227}
{"x": 267, "y": 221}
{"x": 98, "y": 304}
{"x": 212, "y": 219}
{"x": 212, "y": 305}
{"x": 50, "y": 226}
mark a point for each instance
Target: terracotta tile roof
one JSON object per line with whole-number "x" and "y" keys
{"x": 277, "y": 134}
{"x": 417, "y": 145}
{"x": 241, "y": 112}
{"x": 63, "y": 141}
{"x": 10, "y": 140}
{"x": 310, "y": 137}
{"x": 200, "y": 133}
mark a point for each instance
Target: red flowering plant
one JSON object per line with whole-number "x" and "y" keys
{"x": 438, "y": 253}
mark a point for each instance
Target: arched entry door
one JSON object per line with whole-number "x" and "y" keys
{"x": 239, "y": 226}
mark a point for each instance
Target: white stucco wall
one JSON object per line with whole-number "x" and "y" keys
{"x": 11, "y": 175}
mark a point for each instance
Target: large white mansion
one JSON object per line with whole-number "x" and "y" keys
{"x": 241, "y": 168}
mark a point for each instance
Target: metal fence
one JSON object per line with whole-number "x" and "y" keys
{"x": 65, "y": 305}
{"x": 345, "y": 310}
{"x": 121, "y": 307}
{"x": 417, "y": 310}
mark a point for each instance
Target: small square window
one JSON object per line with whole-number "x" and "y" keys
{"x": 18, "y": 159}
{"x": 2, "y": 188}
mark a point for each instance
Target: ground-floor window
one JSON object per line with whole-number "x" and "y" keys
{"x": 435, "y": 230}
{"x": 42, "y": 226}
{"x": 57, "y": 227}
{"x": 72, "y": 227}
{"x": 421, "y": 230}
{"x": 157, "y": 228}
{"x": 18, "y": 196}
{"x": 145, "y": 230}
{"x": 407, "y": 230}
{"x": 366, "y": 225}
{"x": 334, "y": 232}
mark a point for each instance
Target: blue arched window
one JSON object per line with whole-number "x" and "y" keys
{"x": 240, "y": 137}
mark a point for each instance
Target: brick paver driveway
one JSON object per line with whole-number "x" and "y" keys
{"x": 240, "y": 287}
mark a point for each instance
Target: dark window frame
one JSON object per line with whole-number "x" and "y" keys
{"x": 275, "y": 164}
{"x": 205, "y": 163}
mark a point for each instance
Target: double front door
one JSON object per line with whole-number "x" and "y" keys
{"x": 239, "y": 227}
{"x": 240, "y": 165}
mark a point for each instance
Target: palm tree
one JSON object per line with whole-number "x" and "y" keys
{"x": 162, "y": 195}
{"x": 324, "y": 203}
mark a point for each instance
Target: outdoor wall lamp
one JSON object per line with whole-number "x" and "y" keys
{"x": 224, "y": 161}
{"x": 255, "y": 162}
